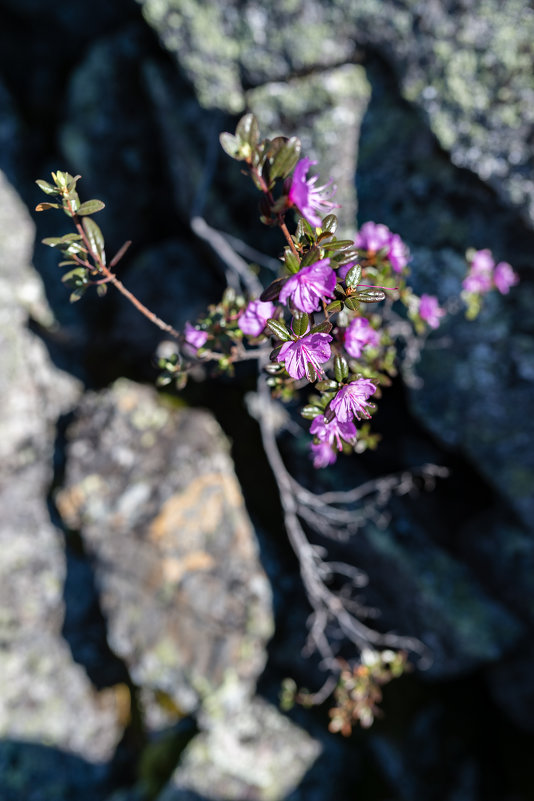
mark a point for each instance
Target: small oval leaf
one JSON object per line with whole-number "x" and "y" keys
{"x": 90, "y": 207}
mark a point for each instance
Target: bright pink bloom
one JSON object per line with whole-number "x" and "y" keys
{"x": 253, "y": 319}
{"x": 479, "y": 277}
{"x": 373, "y": 237}
{"x": 313, "y": 348}
{"x": 330, "y": 434}
{"x": 429, "y": 310}
{"x": 358, "y": 335}
{"x": 398, "y": 253}
{"x": 322, "y": 454}
{"x": 504, "y": 277}
{"x": 352, "y": 399}
{"x": 195, "y": 337}
{"x": 313, "y": 202}
{"x": 482, "y": 262}
{"x": 309, "y": 286}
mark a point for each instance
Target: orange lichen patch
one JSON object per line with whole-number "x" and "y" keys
{"x": 200, "y": 508}
{"x": 175, "y": 569}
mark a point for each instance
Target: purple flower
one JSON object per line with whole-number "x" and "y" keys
{"x": 376, "y": 236}
{"x": 331, "y": 433}
{"x": 358, "y": 335}
{"x": 430, "y": 311}
{"x": 313, "y": 348}
{"x": 479, "y": 277}
{"x": 253, "y": 319}
{"x": 504, "y": 277}
{"x": 310, "y": 200}
{"x": 482, "y": 261}
{"x": 351, "y": 400}
{"x": 307, "y": 287}
{"x": 398, "y": 253}
{"x": 194, "y": 337}
{"x": 322, "y": 454}
{"x": 373, "y": 236}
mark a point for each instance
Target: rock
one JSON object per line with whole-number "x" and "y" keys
{"x": 152, "y": 491}
{"x": 473, "y": 375}
{"x": 254, "y": 753}
{"x": 470, "y": 71}
{"x": 108, "y": 137}
{"x": 435, "y": 598}
{"x": 333, "y": 102}
{"x": 46, "y": 699}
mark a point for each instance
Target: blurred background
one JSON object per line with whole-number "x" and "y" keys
{"x": 150, "y": 606}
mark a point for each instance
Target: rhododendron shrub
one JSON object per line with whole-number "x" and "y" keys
{"x": 324, "y": 333}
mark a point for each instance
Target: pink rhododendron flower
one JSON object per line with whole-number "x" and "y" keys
{"x": 352, "y": 399}
{"x": 329, "y": 434}
{"x": 313, "y": 202}
{"x": 479, "y": 277}
{"x": 504, "y": 277}
{"x": 253, "y": 319}
{"x": 482, "y": 262}
{"x": 430, "y": 311}
{"x": 376, "y": 236}
{"x": 311, "y": 284}
{"x": 195, "y": 337}
{"x": 322, "y": 454}
{"x": 398, "y": 253}
{"x": 313, "y": 348}
{"x": 358, "y": 335}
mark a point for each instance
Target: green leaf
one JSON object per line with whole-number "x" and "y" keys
{"x": 230, "y": 145}
{"x": 59, "y": 241}
{"x": 329, "y": 223}
{"x": 334, "y": 307}
{"x": 311, "y": 373}
{"x": 370, "y": 295}
{"x": 291, "y": 261}
{"x": 247, "y": 130}
{"x": 341, "y": 368}
{"x": 310, "y": 412}
{"x": 353, "y": 277}
{"x": 300, "y": 324}
{"x": 279, "y": 329}
{"x": 95, "y": 238}
{"x": 322, "y": 328}
{"x": 71, "y": 184}
{"x": 310, "y": 257}
{"x": 327, "y": 384}
{"x": 77, "y": 294}
{"x": 345, "y": 256}
{"x": 47, "y": 188}
{"x": 273, "y": 290}
{"x": 75, "y": 278}
{"x": 285, "y": 159}
{"x": 90, "y": 207}
{"x": 352, "y": 303}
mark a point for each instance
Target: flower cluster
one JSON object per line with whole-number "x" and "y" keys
{"x": 321, "y": 314}
{"x": 484, "y": 274}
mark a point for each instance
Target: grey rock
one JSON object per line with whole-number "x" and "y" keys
{"x": 44, "y": 695}
{"x": 255, "y": 753}
{"x": 333, "y": 103}
{"x": 468, "y": 66}
{"x": 152, "y": 490}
